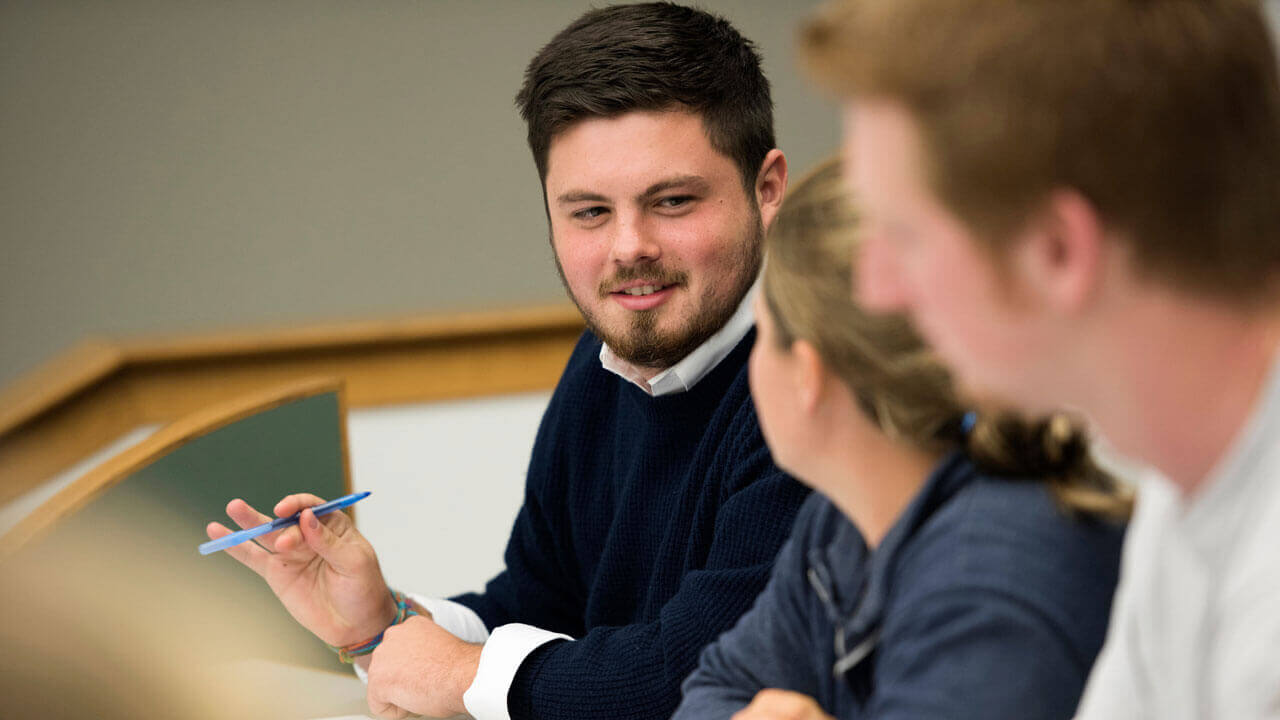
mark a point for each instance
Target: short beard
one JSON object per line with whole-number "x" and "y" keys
{"x": 641, "y": 343}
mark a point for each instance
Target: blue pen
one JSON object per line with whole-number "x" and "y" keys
{"x": 236, "y": 538}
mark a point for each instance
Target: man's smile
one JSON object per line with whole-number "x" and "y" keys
{"x": 642, "y": 295}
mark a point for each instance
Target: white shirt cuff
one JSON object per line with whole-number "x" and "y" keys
{"x": 501, "y": 658}
{"x": 461, "y": 621}
{"x": 458, "y": 619}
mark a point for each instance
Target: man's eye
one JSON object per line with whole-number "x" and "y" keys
{"x": 590, "y": 213}
{"x": 675, "y": 201}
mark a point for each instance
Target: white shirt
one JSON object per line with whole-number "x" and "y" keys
{"x": 1195, "y": 627}
{"x": 508, "y": 646}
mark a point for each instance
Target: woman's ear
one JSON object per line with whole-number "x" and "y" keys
{"x": 810, "y": 376}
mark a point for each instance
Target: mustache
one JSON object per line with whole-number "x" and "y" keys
{"x": 649, "y": 274}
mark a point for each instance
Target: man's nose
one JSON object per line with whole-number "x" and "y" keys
{"x": 633, "y": 240}
{"x": 878, "y": 281}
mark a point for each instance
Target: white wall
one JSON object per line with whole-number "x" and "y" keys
{"x": 447, "y": 481}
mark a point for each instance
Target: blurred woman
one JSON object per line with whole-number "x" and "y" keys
{"x": 954, "y": 564}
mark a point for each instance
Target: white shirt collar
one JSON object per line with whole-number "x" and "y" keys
{"x": 685, "y": 374}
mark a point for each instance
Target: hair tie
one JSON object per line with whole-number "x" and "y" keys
{"x": 967, "y": 422}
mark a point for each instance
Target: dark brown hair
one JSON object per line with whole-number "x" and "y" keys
{"x": 1164, "y": 114}
{"x": 651, "y": 56}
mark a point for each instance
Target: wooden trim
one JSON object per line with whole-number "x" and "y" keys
{"x": 57, "y": 381}
{"x": 94, "y": 361}
{"x": 111, "y": 472}
{"x": 36, "y": 451}
{"x": 355, "y": 334}
{"x": 345, "y": 449}
{"x": 101, "y": 390}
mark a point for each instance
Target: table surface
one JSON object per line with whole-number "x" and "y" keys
{"x": 299, "y": 692}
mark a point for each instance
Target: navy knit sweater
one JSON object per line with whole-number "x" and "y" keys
{"x": 649, "y": 526}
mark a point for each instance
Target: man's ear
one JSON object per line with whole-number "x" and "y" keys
{"x": 1060, "y": 257}
{"x": 811, "y": 375}
{"x": 771, "y": 185}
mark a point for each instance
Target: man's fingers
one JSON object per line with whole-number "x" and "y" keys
{"x": 336, "y": 521}
{"x": 249, "y": 554}
{"x": 781, "y": 705}
{"x": 387, "y": 710}
{"x": 380, "y": 707}
{"x": 289, "y": 541}
{"x": 295, "y": 503}
{"x": 342, "y": 551}
{"x": 244, "y": 515}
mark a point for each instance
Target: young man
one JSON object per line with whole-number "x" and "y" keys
{"x": 653, "y": 510}
{"x": 1078, "y": 204}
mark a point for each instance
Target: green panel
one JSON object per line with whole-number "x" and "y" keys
{"x": 294, "y": 448}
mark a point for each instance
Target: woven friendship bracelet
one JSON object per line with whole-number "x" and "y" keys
{"x": 349, "y": 653}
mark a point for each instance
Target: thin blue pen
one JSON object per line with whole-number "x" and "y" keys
{"x": 236, "y": 538}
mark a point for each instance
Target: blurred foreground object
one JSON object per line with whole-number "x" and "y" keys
{"x": 107, "y": 610}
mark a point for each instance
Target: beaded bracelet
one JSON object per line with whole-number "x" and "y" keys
{"x": 349, "y": 653}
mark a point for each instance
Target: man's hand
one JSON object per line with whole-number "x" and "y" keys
{"x": 771, "y": 704}
{"x": 324, "y": 571}
{"x": 421, "y": 669}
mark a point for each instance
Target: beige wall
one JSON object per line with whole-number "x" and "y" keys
{"x": 176, "y": 166}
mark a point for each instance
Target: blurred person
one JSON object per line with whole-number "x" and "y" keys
{"x": 653, "y": 510}
{"x": 101, "y": 617}
{"x": 964, "y": 563}
{"x": 1077, "y": 204}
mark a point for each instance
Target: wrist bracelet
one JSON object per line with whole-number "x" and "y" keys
{"x": 349, "y": 653}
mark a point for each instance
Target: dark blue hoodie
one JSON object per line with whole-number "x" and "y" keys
{"x": 984, "y": 600}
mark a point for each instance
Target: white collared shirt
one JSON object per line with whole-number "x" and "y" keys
{"x": 1195, "y": 625}
{"x": 507, "y": 647}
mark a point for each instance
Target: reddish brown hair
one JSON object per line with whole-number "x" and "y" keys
{"x": 1164, "y": 114}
